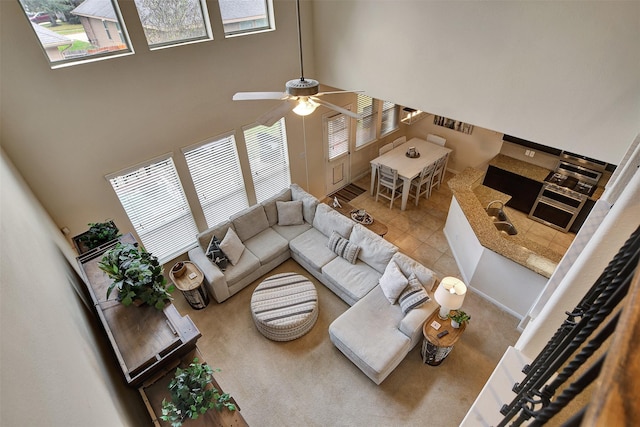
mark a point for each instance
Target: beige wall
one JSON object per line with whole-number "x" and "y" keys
{"x": 54, "y": 369}
{"x": 560, "y": 73}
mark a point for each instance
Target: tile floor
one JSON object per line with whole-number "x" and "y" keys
{"x": 418, "y": 231}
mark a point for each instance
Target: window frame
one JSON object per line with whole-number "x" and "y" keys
{"x": 186, "y": 234}
{"x": 206, "y": 207}
{"x": 271, "y": 23}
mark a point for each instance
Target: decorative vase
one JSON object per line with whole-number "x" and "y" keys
{"x": 455, "y": 324}
{"x": 178, "y": 269}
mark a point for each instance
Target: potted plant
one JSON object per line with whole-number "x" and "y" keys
{"x": 98, "y": 234}
{"x": 193, "y": 394}
{"x": 137, "y": 275}
{"x": 458, "y": 318}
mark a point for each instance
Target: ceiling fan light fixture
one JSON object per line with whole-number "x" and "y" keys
{"x": 305, "y": 106}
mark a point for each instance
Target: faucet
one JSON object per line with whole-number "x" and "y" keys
{"x": 495, "y": 201}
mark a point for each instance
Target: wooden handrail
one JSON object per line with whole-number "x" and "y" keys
{"x": 615, "y": 401}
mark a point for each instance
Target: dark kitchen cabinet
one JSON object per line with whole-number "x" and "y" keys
{"x": 523, "y": 191}
{"x": 582, "y": 216}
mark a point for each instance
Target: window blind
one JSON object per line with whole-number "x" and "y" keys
{"x": 365, "y": 127}
{"x": 268, "y": 158}
{"x": 390, "y": 122}
{"x": 153, "y": 198}
{"x": 337, "y": 128}
{"x": 217, "y": 177}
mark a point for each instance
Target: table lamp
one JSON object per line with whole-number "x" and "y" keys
{"x": 450, "y": 295}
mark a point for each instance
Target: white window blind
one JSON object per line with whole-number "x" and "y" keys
{"x": 153, "y": 198}
{"x": 390, "y": 113}
{"x": 365, "y": 127}
{"x": 337, "y": 131}
{"x": 217, "y": 177}
{"x": 268, "y": 158}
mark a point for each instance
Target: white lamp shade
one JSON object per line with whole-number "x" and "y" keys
{"x": 305, "y": 106}
{"x": 450, "y": 295}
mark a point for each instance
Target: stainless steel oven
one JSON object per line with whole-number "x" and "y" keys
{"x": 557, "y": 207}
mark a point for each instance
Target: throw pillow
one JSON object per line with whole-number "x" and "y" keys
{"x": 215, "y": 254}
{"x": 343, "y": 247}
{"x": 393, "y": 282}
{"x": 232, "y": 246}
{"x": 289, "y": 213}
{"x": 413, "y": 296}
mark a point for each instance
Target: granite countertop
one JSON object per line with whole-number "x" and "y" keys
{"x": 473, "y": 197}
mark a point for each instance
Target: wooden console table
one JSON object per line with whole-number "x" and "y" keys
{"x": 144, "y": 339}
{"x": 345, "y": 209}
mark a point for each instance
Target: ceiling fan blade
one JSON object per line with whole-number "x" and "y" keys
{"x": 336, "y": 108}
{"x": 272, "y": 116}
{"x": 339, "y": 91}
{"x": 248, "y": 96}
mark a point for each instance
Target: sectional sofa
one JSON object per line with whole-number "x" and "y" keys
{"x": 359, "y": 266}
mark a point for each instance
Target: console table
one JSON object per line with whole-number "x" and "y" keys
{"x": 345, "y": 209}
{"x": 144, "y": 339}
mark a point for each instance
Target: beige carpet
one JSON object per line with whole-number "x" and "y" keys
{"x": 308, "y": 382}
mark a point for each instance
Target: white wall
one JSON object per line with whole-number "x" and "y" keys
{"x": 563, "y": 74}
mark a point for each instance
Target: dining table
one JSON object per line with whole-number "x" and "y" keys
{"x": 408, "y": 167}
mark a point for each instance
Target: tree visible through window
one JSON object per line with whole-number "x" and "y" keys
{"x": 172, "y": 22}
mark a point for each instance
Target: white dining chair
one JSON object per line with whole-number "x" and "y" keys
{"x": 399, "y": 141}
{"x": 422, "y": 184}
{"x": 385, "y": 148}
{"x": 388, "y": 184}
{"x": 436, "y": 139}
{"x": 438, "y": 173}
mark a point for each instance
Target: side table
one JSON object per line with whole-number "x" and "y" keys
{"x": 434, "y": 349}
{"x": 191, "y": 286}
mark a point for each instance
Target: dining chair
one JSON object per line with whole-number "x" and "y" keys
{"x": 388, "y": 182}
{"x": 423, "y": 180}
{"x": 438, "y": 173}
{"x": 399, "y": 141}
{"x": 436, "y": 139}
{"x": 385, "y": 148}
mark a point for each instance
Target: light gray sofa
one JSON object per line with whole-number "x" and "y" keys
{"x": 374, "y": 334}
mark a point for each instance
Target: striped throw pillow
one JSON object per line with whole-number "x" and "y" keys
{"x": 343, "y": 247}
{"x": 413, "y": 296}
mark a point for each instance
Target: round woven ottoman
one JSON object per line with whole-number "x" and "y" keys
{"x": 284, "y": 306}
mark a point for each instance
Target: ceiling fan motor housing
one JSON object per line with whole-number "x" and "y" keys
{"x": 302, "y": 87}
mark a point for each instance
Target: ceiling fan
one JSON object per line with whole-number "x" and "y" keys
{"x": 301, "y": 95}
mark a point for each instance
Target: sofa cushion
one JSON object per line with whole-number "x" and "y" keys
{"x": 311, "y": 246}
{"x": 343, "y": 247}
{"x": 413, "y": 295}
{"x": 290, "y": 213}
{"x": 249, "y": 222}
{"x": 290, "y": 232}
{"x": 309, "y": 203}
{"x": 267, "y": 245}
{"x": 215, "y": 254}
{"x": 219, "y": 230}
{"x": 353, "y": 281}
{"x": 409, "y": 266}
{"x": 232, "y": 246}
{"x": 269, "y": 205}
{"x": 393, "y": 282}
{"x": 374, "y": 250}
{"x": 247, "y": 264}
{"x": 328, "y": 220}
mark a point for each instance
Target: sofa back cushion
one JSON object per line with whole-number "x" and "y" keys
{"x": 309, "y": 203}
{"x": 269, "y": 205}
{"x": 219, "y": 231}
{"x": 249, "y": 222}
{"x": 327, "y": 220}
{"x": 409, "y": 266}
{"x": 374, "y": 250}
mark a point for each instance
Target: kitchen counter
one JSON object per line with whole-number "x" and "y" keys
{"x": 473, "y": 197}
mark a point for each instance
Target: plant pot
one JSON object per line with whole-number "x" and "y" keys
{"x": 455, "y": 324}
{"x": 179, "y": 269}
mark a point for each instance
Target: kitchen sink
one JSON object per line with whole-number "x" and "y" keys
{"x": 506, "y": 227}
{"x": 497, "y": 214}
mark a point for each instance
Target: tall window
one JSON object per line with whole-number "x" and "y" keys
{"x": 268, "y": 158}
{"x": 390, "y": 114}
{"x": 337, "y": 134}
{"x": 167, "y": 23}
{"x": 217, "y": 177}
{"x": 153, "y": 198}
{"x": 246, "y": 16}
{"x": 365, "y": 127}
{"x": 73, "y": 32}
